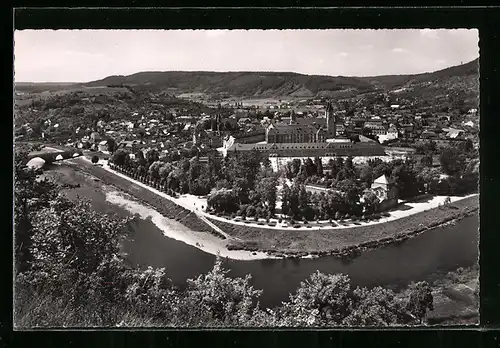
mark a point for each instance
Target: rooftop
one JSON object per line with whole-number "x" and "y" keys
{"x": 381, "y": 180}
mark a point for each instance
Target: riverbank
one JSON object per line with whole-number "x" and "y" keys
{"x": 262, "y": 242}
{"x": 166, "y": 207}
{"x": 174, "y": 221}
{"x": 456, "y": 298}
{"x": 347, "y": 242}
{"x": 403, "y": 210}
{"x": 198, "y": 204}
{"x": 178, "y": 231}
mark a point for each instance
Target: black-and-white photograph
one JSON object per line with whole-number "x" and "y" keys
{"x": 246, "y": 178}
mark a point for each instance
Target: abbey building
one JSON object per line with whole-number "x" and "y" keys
{"x": 303, "y": 130}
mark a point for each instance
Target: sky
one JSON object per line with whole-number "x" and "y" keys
{"x": 88, "y": 55}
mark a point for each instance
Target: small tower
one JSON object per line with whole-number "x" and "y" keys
{"x": 330, "y": 121}
{"x": 293, "y": 117}
{"x": 218, "y": 120}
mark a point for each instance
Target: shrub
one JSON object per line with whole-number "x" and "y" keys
{"x": 250, "y": 210}
{"x": 95, "y": 159}
{"x": 258, "y": 212}
{"x": 280, "y": 220}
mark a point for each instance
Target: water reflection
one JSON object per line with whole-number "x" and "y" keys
{"x": 266, "y": 263}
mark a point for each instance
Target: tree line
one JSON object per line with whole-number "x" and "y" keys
{"x": 245, "y": 184}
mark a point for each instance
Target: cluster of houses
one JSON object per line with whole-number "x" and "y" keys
{"x": 145, "y": 133}
{"x": 388, "y": 126}
{"x": 297, "y": 122}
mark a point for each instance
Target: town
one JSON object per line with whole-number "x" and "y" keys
{"x": 434, "y": 147}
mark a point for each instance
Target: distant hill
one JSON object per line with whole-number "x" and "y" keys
{"x": 470, "y": 69}
{"x": 283, "y": 84}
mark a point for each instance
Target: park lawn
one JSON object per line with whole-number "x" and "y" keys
{"x": 314, "y": 240}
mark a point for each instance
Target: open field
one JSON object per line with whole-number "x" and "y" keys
{"x": 37, "y": 87}
{"x": 43, "y": 92}
{"x": 318, "y": 241}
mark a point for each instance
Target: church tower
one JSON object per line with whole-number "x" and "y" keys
{"x": 293, "y": 117}
{"x": 331, "y": 128}
{"x": 216, "y": 121}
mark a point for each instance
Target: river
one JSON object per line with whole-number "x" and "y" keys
{"x": 424, "y": 257}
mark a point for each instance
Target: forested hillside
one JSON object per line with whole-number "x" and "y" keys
{"x": 272, "y": 84}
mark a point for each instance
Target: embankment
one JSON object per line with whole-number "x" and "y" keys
{"x": 146, "y": 197}
{"x": 346, "y": 242}
{"x": 456, "y": 298}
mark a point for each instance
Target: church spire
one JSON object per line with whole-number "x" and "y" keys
{"x": 329, "y": 107}
{"x": 293, "y": 117}
{"x": 331, "y": 120}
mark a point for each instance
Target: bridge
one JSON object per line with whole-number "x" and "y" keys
{"x": 50, "y": 155}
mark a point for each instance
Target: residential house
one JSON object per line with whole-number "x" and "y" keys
{"x": 429, "y": 134}
{"x": 392, "y": 132}
{"x": 453, "y": 133}
{"x": 377, "y": 126}
{"x": 232, "y": 121}
{"x": 130, "y": 145}
{"x": 95, "y": 137}
{"x": 207, "y": 138}
{"x": 244, "y": 120}
{"x": 103, "y": 146}
{"x": 407, "y": 130}
{"x": 340, "y": 129}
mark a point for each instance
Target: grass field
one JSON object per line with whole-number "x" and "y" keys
{"x": 324, "y": 241}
